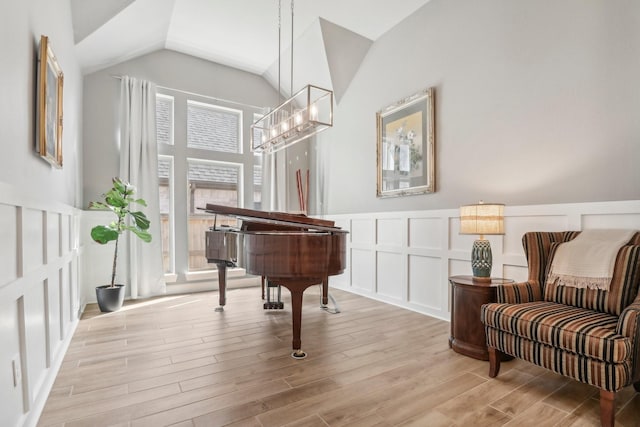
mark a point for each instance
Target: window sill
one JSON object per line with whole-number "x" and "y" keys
{"x": 170, "y": 278}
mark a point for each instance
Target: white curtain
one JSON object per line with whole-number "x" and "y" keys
{"x": 139, "y": 166}
{"x": 321, "y": 181}
{"x": 274, "y": 181}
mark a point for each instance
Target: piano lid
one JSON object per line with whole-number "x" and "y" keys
{"x": 280, "y": 218}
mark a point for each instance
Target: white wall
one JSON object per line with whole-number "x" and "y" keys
{"x": 21, "y": 24}
{"x": 536, "y": 103}
{"x": 39, "y": 257}
{"x": 405, "y": 257}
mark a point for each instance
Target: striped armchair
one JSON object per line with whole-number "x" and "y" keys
{"x": 590, "y": 335}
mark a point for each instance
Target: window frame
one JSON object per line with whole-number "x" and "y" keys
{"x": 170, "y": 276}
{"x": 214, "y": 107}
{"x": 180, "y": 153}
{"x": 171, "y": 115}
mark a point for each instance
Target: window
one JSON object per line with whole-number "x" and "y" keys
{"x": 203, "y": 157}
{"x": 209, "y": 182}
{"x": 165, "y": 178}
{"x": 257, "y": 181}
{"x": 213, "y": 128}
{"x": 257, "y": 168}
{"x": 164, "y": 119}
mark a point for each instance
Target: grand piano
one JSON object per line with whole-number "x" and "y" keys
{"x": 289, "y": 250}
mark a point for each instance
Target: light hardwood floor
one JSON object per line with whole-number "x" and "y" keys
{"x": 174, "y": 361}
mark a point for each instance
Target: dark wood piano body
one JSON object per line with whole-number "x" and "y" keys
{"x": 290, "y": 250}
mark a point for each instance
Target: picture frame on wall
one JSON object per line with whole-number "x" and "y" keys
{"x": 406, "y": 146}
{"x": 49, "y": 109}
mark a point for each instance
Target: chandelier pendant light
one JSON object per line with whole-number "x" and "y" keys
{"x": 306, "y": 113}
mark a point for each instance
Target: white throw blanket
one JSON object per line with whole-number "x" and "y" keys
{"x": 588, "y": 260}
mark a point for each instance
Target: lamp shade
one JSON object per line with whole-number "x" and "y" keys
{"x": 483, "y": 218}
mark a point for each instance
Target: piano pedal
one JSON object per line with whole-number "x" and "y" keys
{"x": 273, "y": 305}
{"x": 276, "y": 304}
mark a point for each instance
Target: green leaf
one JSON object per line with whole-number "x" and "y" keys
{"x": 114, "y": 198}
{"x": 98, "y": 205}
{"x": 102, "y": 234}
{"x": 119, "y": 185}
{"x": 141, "y": 220}
{"x": 144, "y": 235}
{"x": 141, "y": 202}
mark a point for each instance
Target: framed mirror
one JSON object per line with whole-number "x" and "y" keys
{"x": 405, "y": 146}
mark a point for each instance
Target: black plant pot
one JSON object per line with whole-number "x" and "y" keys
{"x": 110, "y": 298}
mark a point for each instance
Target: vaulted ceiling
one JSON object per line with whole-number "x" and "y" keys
{"x": 330, "y": 37}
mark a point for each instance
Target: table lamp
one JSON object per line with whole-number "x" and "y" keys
{"x": 481, "y": 219}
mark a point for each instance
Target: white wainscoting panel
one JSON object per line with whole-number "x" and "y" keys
{"x": 65, "y": 227}
{"x": 362, "y": 272}
{"x": 53, "y": 235}
{"x": 9, "y": 239}
{"x": 405, "y": 258}
{"x": 616, "y": 220}
{"x": 390, "y": 271}
{"x": 389, "y": 232}
{"x": 10, "y": 395}
{"x": 424, "y": 233}
{"x": 361, "y": 231}
{"x": 39, "y": 299}
{"x": 424, "y": 276}
{"x": 37, "y": 335}
{"x": 33, "y": 239}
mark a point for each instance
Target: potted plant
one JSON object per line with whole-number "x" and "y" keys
{"x": 118, "y": 200}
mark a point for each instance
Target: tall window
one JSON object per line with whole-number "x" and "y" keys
{"x": 164, "y": 119}
{"x": 209, "y": 182}
{"x": 165, "y": 178}
{"x": 210, "y": 127}
{"x": 257, "y": 168}
{"x": 164, "y": 135}
{"x": 203, "y": 158}
{"x": 257, "y": 182}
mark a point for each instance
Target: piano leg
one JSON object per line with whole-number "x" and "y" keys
{"x": 325, "y": 291}
{"x": 222, "y": 285}
{"x": 297, "y": 289}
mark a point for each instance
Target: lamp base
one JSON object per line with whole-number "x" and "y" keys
{"x": 481, "y": 260}
{"x": 481, "y": 279}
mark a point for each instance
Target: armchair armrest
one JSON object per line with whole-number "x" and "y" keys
{"x": 517, "y": 293}
{"x": 629, "y": 320}
{"x": 629, "y": 326}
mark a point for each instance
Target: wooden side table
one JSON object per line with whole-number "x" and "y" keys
{"x": 467, "y": 331}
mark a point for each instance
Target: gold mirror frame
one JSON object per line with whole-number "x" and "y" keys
{"x": 49, "y": 120}
{"x": 406, "y": 146}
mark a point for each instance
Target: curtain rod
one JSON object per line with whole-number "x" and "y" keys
{"x": 201, "y": 96}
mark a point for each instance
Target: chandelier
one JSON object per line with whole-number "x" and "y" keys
{"x": 306, "y": 113}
